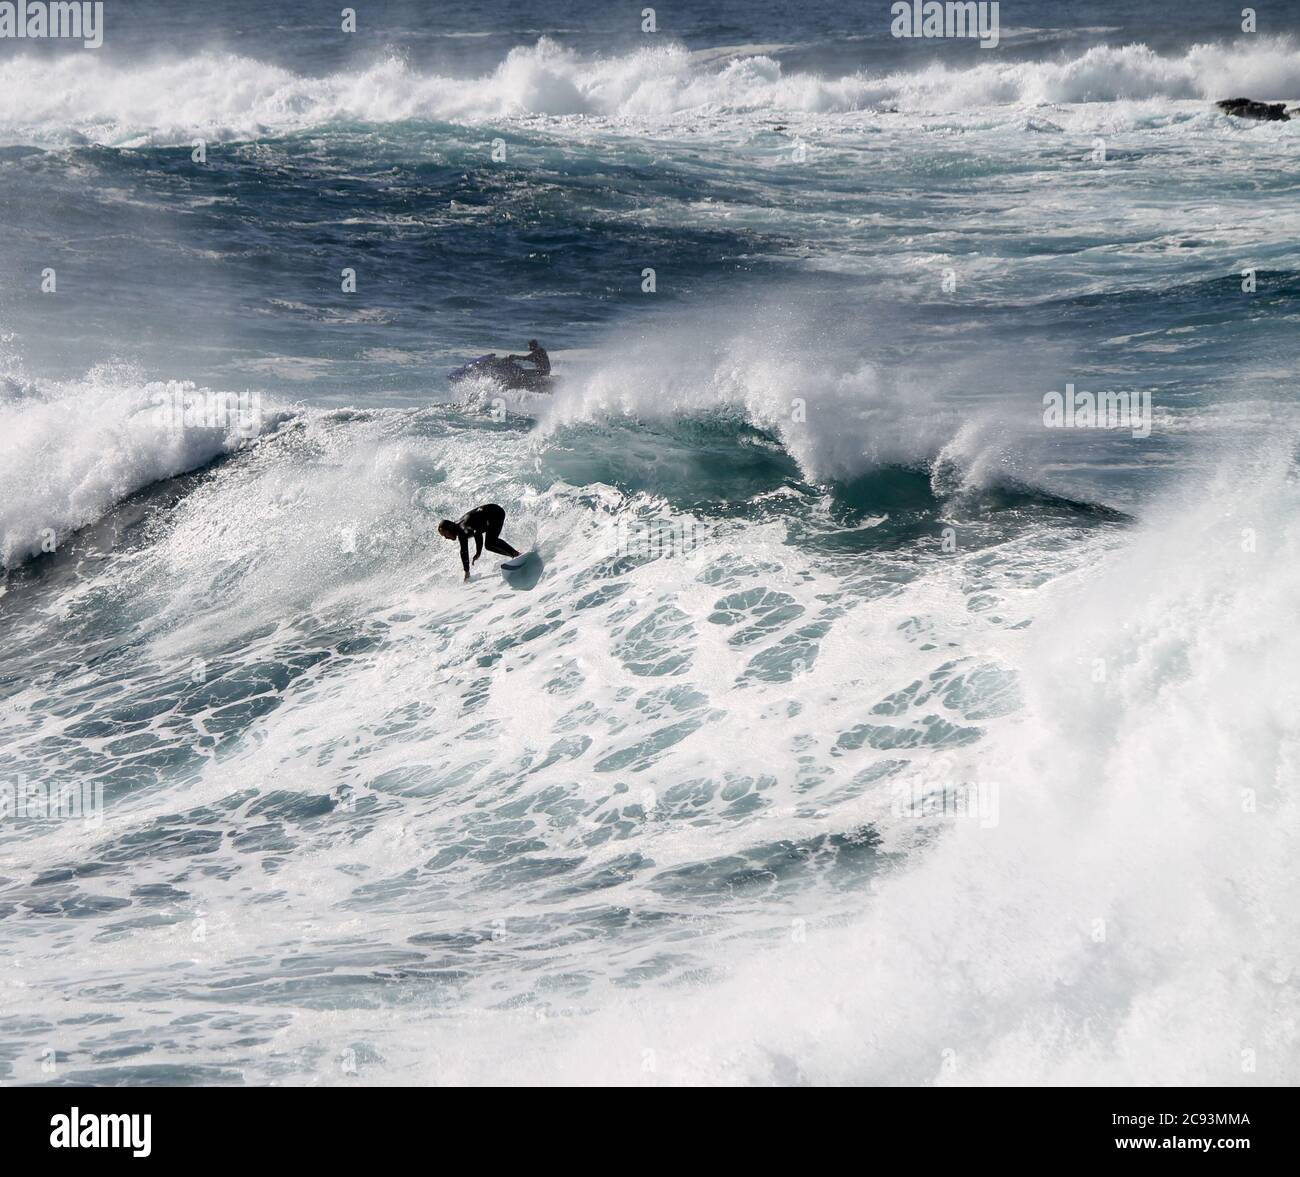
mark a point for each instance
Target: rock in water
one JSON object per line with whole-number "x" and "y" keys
{"x": 1246, "y": 108}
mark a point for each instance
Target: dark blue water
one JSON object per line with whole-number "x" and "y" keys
{"x": 231, "y": 270}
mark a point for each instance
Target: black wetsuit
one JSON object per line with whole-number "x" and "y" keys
{"x": 484, "y": 524}
{"x": 539, "y": 359}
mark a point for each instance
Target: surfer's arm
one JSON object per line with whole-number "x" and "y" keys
{"x": 478, "y": 546}
{"x": 464, "y": 554}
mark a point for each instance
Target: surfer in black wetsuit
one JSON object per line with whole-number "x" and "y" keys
{"x": 484, "y": 524}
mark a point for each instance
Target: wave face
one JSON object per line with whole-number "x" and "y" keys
{"x": 854, "y": 727}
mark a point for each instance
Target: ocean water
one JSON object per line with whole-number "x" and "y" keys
{"x": 856, "y": 727}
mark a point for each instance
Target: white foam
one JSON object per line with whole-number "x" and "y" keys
{"x": 221, "y": 96}
{"x": 1121, "y": 800}
{"x": 1129, "y": 920}
{"x": 70, "y": 451}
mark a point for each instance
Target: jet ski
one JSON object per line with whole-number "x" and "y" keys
{"x": 503, "y": 371}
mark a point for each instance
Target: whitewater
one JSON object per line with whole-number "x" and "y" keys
{"x": 855, "y": 727}
{"x": 226, "y": 96}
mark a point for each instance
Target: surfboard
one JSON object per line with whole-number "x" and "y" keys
{"x": 523, "y": 572}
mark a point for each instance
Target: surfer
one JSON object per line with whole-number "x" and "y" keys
{"x": 484, "y": 524}
{"x": 536, "y": 356}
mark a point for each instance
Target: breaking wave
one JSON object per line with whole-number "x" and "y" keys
{"x": 222, "y": 96}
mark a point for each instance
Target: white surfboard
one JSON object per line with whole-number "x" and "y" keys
{"x": 515, "y": 563}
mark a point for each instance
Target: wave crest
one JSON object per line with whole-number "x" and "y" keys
{"x": 70, "y": 452}
{"x": 222, "y": 96}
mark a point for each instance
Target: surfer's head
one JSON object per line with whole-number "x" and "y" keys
{"x": 448, "y": 530}
{"x": 533, "y": 345}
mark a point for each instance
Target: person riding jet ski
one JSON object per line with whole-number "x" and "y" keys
{"x": 507, "y": 370}
{"x": 537, "y": 356}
